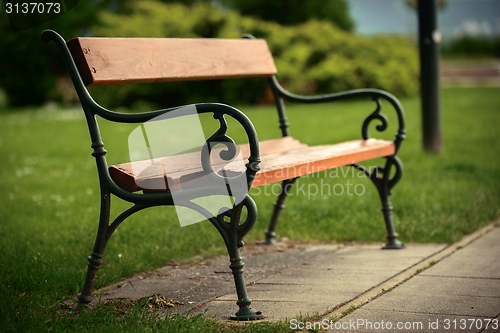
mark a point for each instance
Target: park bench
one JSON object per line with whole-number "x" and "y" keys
{"x": 182, "y": 178}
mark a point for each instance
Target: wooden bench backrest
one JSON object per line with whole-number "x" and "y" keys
{"x": 105, "y": 61}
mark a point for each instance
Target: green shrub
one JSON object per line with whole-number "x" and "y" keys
{"x": 26, "y": 63}
{"x": 471, "y": 47}
{"x": 314, "y": 57}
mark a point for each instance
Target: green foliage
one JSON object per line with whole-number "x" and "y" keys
{"x": 471, "y": 47}
{"x": 293, "y": 12}
{"x": 324, "y": 59}
{"x": 314, "y": 57}
{"x": 26, "y": 66}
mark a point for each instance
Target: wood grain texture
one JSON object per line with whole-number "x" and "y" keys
{"x": 308, "y": 160}
{"x": 282, "y": 158}
{"x": 106, "y": 61}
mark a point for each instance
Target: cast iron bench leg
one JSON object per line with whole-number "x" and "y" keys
{"x": 278, "y": 206}
{"x": 384, "y": 190}
{"x": 103, "y": 235}
{"x": 381, "y": 178}
{"x": 95, "y": 258}
{"x": 382, "y": 181}
{"x": 233, "y": 232}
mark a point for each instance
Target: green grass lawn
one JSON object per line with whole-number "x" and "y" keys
{"x": 49, "y": 204}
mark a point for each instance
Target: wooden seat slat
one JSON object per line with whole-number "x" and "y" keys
{"x": 297, "y": 163}
{"x": 282, "y": 159}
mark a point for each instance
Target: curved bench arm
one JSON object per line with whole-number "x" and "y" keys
{"x": 375, "y": 94}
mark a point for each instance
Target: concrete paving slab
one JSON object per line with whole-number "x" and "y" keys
{"x": 360, "y": 257}
{"x": 371, "y": 320}
{"x": 479, "y": 259}
{"x": 456, "y": 286}
{"x": 296, "y": 293}
{"x": 283, "y": 282}
{"x": 461, "y": 290}
{"x": 342, "y": 278}
{"x": 328, "y": 279}
{"x": 402, "y": 299}
{"x": 274, "y": 311}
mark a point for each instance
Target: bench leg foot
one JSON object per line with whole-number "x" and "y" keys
{"x": 85, "y": 297}
{"x": 393, "y": 245}
{"x": 278, "y": 206}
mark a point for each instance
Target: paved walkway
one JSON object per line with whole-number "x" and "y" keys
{"x": 470, "y": 73}
{"x": 428, "y": 288}
{"x": 460, "y": 293}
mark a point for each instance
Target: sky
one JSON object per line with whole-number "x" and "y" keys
{"x": 459, "y": 17}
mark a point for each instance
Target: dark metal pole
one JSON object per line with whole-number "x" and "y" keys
{"x": 429, "y": 38}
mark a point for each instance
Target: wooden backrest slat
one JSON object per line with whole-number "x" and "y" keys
{"x": 104, "y": 61}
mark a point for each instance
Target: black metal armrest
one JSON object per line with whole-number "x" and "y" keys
{"x": 375, "y": 94}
